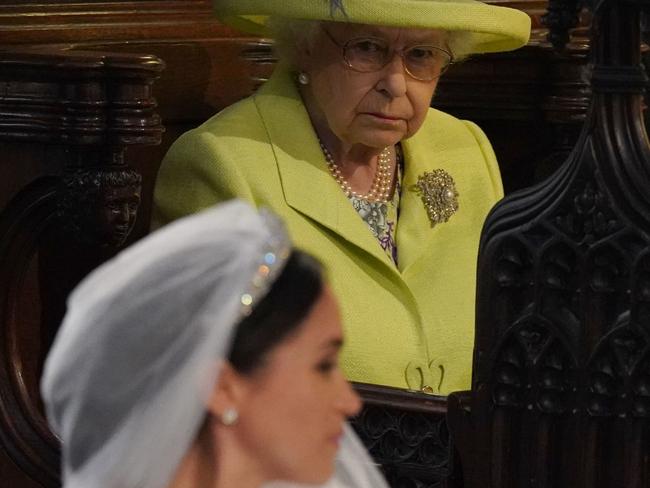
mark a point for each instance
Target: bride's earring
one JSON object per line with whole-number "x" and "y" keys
{"x": 230, "y": 416}
{"x": 303, "y": 78}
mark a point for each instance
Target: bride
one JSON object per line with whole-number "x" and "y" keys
{"x": 205, "y": 356}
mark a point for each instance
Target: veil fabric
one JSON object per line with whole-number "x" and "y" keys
{"x": 127, "y": 378}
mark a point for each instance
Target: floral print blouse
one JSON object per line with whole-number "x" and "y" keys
{"x": 381, "y": 217}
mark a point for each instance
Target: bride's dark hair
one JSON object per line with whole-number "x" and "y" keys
{"x": 279, "y": 313}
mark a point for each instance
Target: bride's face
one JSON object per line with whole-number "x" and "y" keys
{"x": 292, "y": 417}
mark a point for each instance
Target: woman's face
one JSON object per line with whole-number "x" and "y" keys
{"x": 373, "y": 109}
{"x": 292, "y": 414}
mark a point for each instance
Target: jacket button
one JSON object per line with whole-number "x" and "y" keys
{"x": 427, "y": 389}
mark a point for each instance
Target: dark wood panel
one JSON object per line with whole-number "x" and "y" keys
{"x": 65, "y": 120}
{"x": 53, "y": 22}
{"x": 561, "y": 382}
{"x": 406, "y": 434}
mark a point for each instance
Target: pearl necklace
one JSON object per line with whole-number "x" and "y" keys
{"x": 381, "y": 183}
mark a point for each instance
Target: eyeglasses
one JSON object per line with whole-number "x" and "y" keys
{"x": 367, "y": 54}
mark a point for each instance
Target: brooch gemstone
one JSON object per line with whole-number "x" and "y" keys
{"x": 437, "y": 190}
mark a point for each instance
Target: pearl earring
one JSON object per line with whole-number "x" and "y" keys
{"x": 303, "y": 78}
{"x": 230, "y": 416}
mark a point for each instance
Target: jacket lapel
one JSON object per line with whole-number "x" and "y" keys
{"x": 423, "y": 152}
{"x": 306, "y": 182}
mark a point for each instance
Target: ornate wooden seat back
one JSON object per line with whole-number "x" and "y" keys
{"x": 561, "y": 388}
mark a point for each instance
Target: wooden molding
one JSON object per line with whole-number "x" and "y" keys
{"x": 61, "y": 22}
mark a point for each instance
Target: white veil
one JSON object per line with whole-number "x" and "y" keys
{"x": 126, "y": 379}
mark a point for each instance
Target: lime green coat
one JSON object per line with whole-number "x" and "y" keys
{"x": 410, "y": 327}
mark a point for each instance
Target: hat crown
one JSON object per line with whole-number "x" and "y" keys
{"x": 489, "y": 28}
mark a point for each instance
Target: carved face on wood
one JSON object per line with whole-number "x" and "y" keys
{"x": 118, "y": 210}
{"x": 100, "y": 207}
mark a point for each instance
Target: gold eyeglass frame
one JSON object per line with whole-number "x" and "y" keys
{"x": 344, "y": 49}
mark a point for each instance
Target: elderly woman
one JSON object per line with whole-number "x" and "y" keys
{"x": 205, "y": 356}
{"x": 388, "y": 193}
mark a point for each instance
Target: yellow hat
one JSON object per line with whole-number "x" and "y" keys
{"x": 489, "y": 28}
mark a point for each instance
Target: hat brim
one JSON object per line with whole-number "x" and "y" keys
{"x": 489, "y": 28}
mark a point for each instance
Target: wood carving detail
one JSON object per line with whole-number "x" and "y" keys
{"x": 532, "y": 370}
{"x": 30, "y": 214}
{"x": 561, "y": 387}
{"x": 66, "y": 221}
{"x": 619, "y": 376}
{"x": 561, "y": 16}
{"x": 403, "y": 442}
{"x": 99, "y": 207}
{"x": 76, "y": 97}
{"x": 586, "y": 216}
{"x": 406, "y": 433}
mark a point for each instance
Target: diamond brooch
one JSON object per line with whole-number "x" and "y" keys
{"x": 439, "y": 195}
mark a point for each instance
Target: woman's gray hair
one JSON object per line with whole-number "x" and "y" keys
{"x": 459, "y": 44}
{"x": 289, "y": 35}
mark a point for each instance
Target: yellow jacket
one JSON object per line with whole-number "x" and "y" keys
{"x": 410, "y": 327}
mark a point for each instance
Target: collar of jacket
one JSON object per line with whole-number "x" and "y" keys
{"x": 309, "y": 188}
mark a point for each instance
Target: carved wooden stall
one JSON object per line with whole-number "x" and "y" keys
{"x": 74, "y": 115}
{"x": 69, "y": 191}
{"x": 561, "y": 388}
